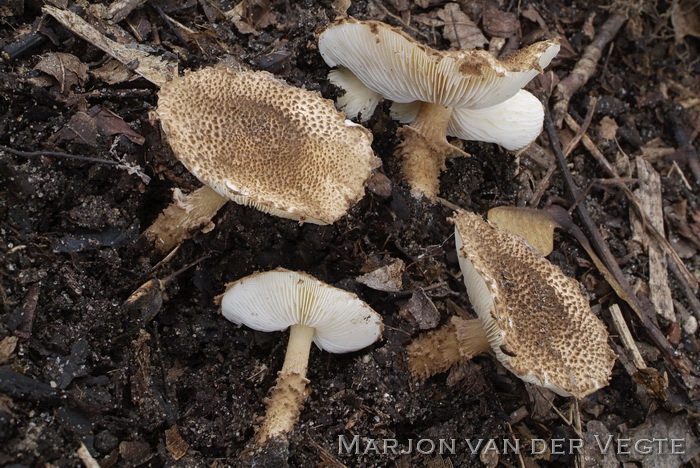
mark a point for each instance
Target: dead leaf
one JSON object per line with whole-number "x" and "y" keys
{"x": 175, "y": 444}
{"x": 120, "y": 9}
{"x": 588, "y": 28}
{"x": 235, "y": 15}
{"x": 387, "y": 278}
{"x": 135, "y": 452}
{"x": 428, "y": 19}
{"x": 7, "y": 347}
{"x": 459, "y": 29}
{"x": 110, "y": 124}
{"x": 81, "y": 128}
{"x": 685, "y": 17}
{"x": 535, "y": 226}
{"x": 533, "y": 15}
{"x": 421, "y": 307}
{"x": 155, "y": 69}
{"x": 500, "y": 23}
{"x": 677, "y": 214}
{"x": 68, "y": 70}
{"x": 608, "y": 128}
{"x": 112, "y": 72}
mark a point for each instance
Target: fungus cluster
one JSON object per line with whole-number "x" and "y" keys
{"x": 533, "y": 317}
{"x": 468, "y": 94}
{"x": 257, "y": 141}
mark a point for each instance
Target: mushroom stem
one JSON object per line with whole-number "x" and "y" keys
{"x": 438, "y": 350}
{"x": 290, "y": 392}
{"x": 183, "y": 217}
{"x": 424, "y": 149}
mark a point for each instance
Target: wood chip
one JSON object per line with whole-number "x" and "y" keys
{"x": 649, "y": 196}
{"x": 155, "y": 69}
{"x": 174, "y": 443}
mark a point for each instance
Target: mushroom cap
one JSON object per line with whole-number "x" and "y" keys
{"x": 261, "y": 142}
{"x": 537, "y": 320}
{"x": 393, "y": 64}
{"x": 512, "y": 124}
{"x": 277, "y": 299}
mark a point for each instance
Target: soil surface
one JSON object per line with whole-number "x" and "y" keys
{"x": 169, "y": 381}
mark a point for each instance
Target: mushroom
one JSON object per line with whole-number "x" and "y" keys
{"x": 534, "y": 318}
{"x": 336, "y": 320}
{"x": 260, "y": 142}
{"x": 464, "y": 93}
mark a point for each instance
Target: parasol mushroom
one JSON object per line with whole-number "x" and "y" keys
{"x": 336, "y": 320}
{"x": 533, "y": 317}
{"x": 465, "y": 93}
{"x": 255, "y": 140}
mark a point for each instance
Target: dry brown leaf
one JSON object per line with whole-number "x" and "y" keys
{"x": 387, "y": 278}
{"x": 112, "y": 72}
{"x": 685, "y": 17}
{"x": 535, "y": 226}
{"x": 421, "y": 307}
{"x": 608, "y": 128}
{"x": 459, "y": 29}
{"x": 81, "y": 128}
{"x": 110, "y": 123}
{"x": 500, "y": 23}
{"x": 68, "y": 70}
{"x": 7, "y": 347}
{"x": 533, "y": 15}
{"x": 588, "y": 28}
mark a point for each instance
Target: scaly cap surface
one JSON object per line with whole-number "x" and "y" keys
{"x": 260, "y": 142}
{"x": 538, "y": 322}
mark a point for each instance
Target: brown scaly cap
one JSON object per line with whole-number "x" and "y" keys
{"x": 393, "y": 64}
{"x": 537, "y": 320}
{"x": 261, "y": 142}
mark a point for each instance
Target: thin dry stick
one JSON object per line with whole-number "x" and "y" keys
{"x": 626, "y": 337}
{"x": 56, "y": 154}
{"x": 679, "y": 269}
{"x": 587, "y": 142}
{"x": 586, "y": 66}
{"x": 641, "y": 306}
{"x": 583, "y": 128}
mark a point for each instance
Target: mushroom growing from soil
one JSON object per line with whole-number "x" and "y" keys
{"x": 465, "y": 93}
{"x": 336, "y": 320}
{"x": 255, "y": 140}
{"x": 534, "y": 318}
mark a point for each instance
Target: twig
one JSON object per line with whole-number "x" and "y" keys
{"x": 683, "y": 141}
{"x": 641, "y": 306}
{"x": 583, "y": 128}
{"x": 400, "y": 20}
{"x": 542, "y": 187}
{"x": 56, "y": 154}
{"x": 588, "y": 143}
{"x": 684, "y": 276}
{"x": 585, "y": 67}
{"x": 626, "y": 337}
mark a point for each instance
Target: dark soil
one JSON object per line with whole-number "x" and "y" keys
{"x": 177, "y": 384}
